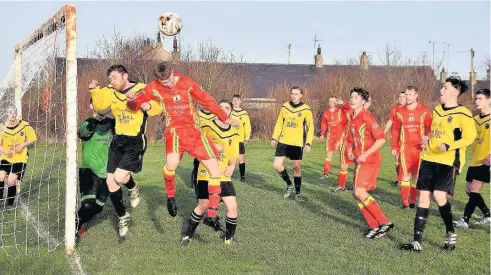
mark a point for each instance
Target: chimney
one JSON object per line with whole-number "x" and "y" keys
{"x": 159, "y": 41}
{"x": 364, "y": 61}
{"x": 176, "y": 56}
{"x": 318, "y": 58}
{"x": 443, "y": 76}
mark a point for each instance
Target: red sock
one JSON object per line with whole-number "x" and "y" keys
{"x": 214, "y": 191}
{"x": 169, "y": 182}
{"x": 405, "y": 188}
{"x": 327, "y": 165}
{"x": 342, "y": 178}
{"x": 414, "y": 194}
{"x": 372, "y": 222}
{"x": 374, "y": 209}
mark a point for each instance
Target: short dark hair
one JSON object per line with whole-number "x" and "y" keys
{"x": 237, "y": 96}
{"x": 413, "y": 88}
{"x": 225, "y": 101}
{"x": 361, "y": 92}
{"x": 458, "y": 84}
{"x": 484, "y": 92}
{"x": 118, "y": 68}
{"x": 297, "y": 88}
{"x": 162, "y": 71}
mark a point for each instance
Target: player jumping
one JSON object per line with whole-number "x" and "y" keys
{"x": 176, "y": 92}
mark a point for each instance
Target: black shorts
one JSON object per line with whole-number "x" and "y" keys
{"x": 92, "y": 186}
{"x": 241, "y": 148}
{"x": 18, "y": 168}
{"x": 126, "y": 152}
{"x": 436, "y": 176}
{"x": 227, "y": 189}
{"x": 479, "y": 173}
{"x": 289, "y": 151}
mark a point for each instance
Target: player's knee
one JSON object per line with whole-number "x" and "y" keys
{"x": 278, "y": 166}
{"x": 203, "y": 205}
{"x": 12, "y": 181}
{"x": 440, "y": 197}
{"x": 3, "y": 175}
{"x": 121, "y": 178}
{"x": 296, "y": 167}
{"x": 232, "y": 210}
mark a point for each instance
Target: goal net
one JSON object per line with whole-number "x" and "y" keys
{"x": 38, "y": 214}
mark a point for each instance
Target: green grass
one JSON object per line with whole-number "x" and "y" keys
{"x": 276, "y": 236}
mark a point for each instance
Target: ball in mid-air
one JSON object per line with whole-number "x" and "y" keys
{"x": 170, "y": 24}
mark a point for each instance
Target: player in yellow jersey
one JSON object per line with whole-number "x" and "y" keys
{"x": 244, "y": 130}
{"x": 478, "y": 171}
{"x": 129, "y": 143}
{"x": 452, "y": 130}
{"x": 14, "y": 140}
{"x": 293, "y": 132}
{"x": 226, "y": 141}
{"x": 205, "y": 117}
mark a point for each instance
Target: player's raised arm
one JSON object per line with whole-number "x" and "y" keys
{"x": 135, "y": 101}
{"x": 278, "y": 126}
{"x": 323, "y": 124}
{"x": 396, "y": 132}
{"x": 208, "y": 102}
{"x": 86, "y": 128}
{"x": 310, "y": 128}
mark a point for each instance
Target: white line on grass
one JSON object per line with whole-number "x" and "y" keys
{"x": 73, "y": 260}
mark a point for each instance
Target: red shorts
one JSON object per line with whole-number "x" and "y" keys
{"x": 189, "y": 140}
{"x": 409, "y": 158}
{"x": 343, "y": 154}
{"x": 366, "y": 176}
{"x": 331, "y": 143}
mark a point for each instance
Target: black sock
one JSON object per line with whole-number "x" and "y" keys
{"x": 130, "y": 184}
{"x": 231, "y": 225}
{"x": 298, "y": 184}
{"x": 193, "y": 223}
{"x": 446, "y": 213}
{"x": 2, "y": 185}
{"x": 482, "y": 205}
{"x": 242, "y": 169}
{"x": 285, "y": 177}
{"x": 11, "y": 192}
{"x": 117, "y": 200}
{"x": 420, "y": 223}
{"x": 470, "y": 206}
{"x": 87, "y": 212}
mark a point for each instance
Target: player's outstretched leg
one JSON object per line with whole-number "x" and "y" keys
{"x": 297, "y": 179}
{"x": 419, "y": 222}
{"x": 230, "y": 200}
{"x": 170, "y": 190}
{"x": 327, "y": 166}
{"x": 116, "y": 196}
{"x": 195, "y": 218}
{"x": 134, "y": 191}
{"x": 88, "y": 209}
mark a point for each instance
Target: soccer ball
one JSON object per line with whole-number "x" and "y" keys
{"x": 170, "y": 24}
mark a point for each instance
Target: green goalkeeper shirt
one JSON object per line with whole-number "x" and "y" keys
{"x": 96, "y": 138}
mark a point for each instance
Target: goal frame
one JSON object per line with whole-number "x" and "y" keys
{"x": 65, "y": 17}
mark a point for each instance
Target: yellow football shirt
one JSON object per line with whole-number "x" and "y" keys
{"x": 244, "y": 126}
{"x": 14, "y": 136}
{"x": 295, "y": 125}
{"x": 228, "y": 139}
{"x": 480, "y": 147}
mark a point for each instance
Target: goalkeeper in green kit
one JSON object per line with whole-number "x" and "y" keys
{"x": 96, "y": 134}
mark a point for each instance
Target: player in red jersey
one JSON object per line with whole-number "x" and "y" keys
{"x": 411, "y": 123}
{"x": 175, "y": 92}
{"x": 364, "y": 142}
{"x": 401, "y": 102}
{"x": 344, "y": 160}
{"x": 333, "y": 119}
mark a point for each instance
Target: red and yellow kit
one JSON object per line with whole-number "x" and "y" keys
{"x": 408, "y": 129}
{"x": 332, "y": 122}
{"x": 364, "y": 131}
{"x": 343, "y": 145}
{"x": 182, "y": 132}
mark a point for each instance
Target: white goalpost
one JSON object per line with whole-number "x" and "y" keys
{"x": 42, "y": 86}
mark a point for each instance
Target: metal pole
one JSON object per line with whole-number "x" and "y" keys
{"x": 71, "y": 128}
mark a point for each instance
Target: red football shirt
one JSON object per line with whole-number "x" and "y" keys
{"x": 410, "y": 125}
{"x": 177, "y": 102}
{"x": 332, "y": 122}
{"x": 364, "y": 131}
{"x": 393, "y": 112}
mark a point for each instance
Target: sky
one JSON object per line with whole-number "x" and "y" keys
{"x": 261, "y": 31}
